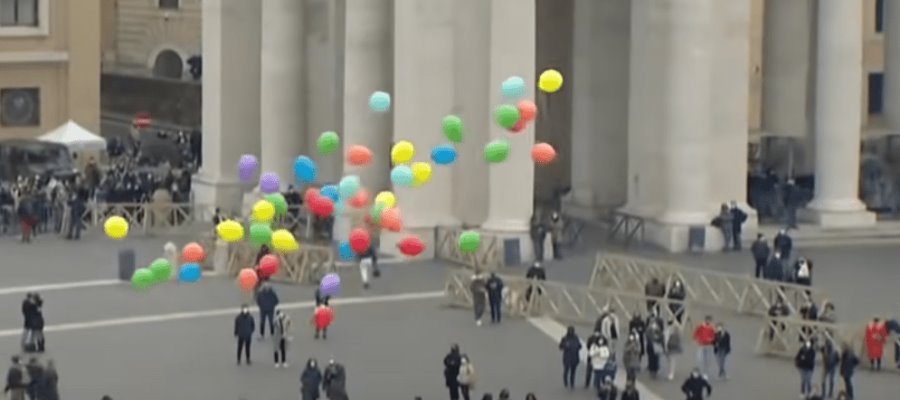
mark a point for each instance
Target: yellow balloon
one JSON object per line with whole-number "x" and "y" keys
{"x": 283, "y": 241}
{"x": 402, "y": 152}
{"x": 263, "y": 211}
{"x": 230, "y": 231}
{"x": 386, "y": 198}
{"x": 116, "y": 227}
{"x": 421, "y": 173}
{"x": 550, "y": 81}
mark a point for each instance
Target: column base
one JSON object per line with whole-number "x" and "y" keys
{"x": 512, "y": 229}
{"x": 228, "y": 196}
{"x": 838, "y": 218}
{"x": 675, "y": 238}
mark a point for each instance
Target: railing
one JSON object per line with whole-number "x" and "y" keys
{"x": 626, "y": 226}
{"x": 739, "y": 293}
{"x": 306, "y": 265}
{"x": 568, "y": 303}
{"x": 489, "y": 256}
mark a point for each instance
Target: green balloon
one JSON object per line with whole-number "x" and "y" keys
{"x": 278, "y": 200}
{"x": 260, "y": 234}
{"x": 469, "y": 241}
{"x": 496, "y": 151}
{"x": 507, "y": 116}
{"x": 328, "y": 142}
{"x": 161, "y": 269}
{"x": 453, "y": 128}
{"x": 143, "y": 278}
{"x": 377, "y": 209}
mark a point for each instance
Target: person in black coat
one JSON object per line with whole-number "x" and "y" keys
{"x": 35, "y": 376}
{"x": 452, "y": 362}
{"x": 774, "y": 270}
{"x": 738, "y": 218}
{"x": 244, "y": 326}
{"x": 310, "y": 379}
{"x": 33, "y": 315}
{"x": 334, "y": 381}
{"x": 570, "y": 345}
{"x": 805, "y": 361}
{"x": 638, "y": 326}
{"x": 15, "y": 381}
{"x": 608, "y": 390}
{"x": 783, "y": 244}
{"x": 761, "y": 251}
{"x": 535, "y": 272}
{"x": 267, "y": 300}
{"x": 694, "y": 386}
{"x": 722, "y": 348}
{"x": 495, "y": 296}
{"x": 630, "y": 392}
{"x": 849, "y": 361}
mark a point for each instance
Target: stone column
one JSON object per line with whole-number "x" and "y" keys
{"x": 231, "y": 90}
{"x": 282, "y": 90}
{"x": 423, "y": 95}
{"x": 322, "y": 23}
{"x": 892, "y": 65}
{"x": 838, "y": 117}
{"x": 599, "y": 160}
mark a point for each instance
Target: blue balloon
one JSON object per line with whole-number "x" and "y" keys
{"x": 331, "y": 192}
{"x": 345, "y": 251}
{"x": 348, "y": 186}
{"x": 443, "y": 155}
{"x": 402, "y": 175}
{"x": 190, "y": 273}
{"x": 380, "y": 102}
{"x": 513, "y": 88}
{"x": 305, "y": 169}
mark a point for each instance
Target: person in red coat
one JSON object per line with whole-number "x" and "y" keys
{"x": 705, "y": 338}
{"x": 876, "y": 337}
{"x": 322, "y": 318}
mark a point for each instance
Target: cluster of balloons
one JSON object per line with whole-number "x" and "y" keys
{"x": 267, "y": 267}
{"x": 517, "y": 113}
{"x": 160, "y": 270}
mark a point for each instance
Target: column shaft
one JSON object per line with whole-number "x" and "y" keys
{"x": 892, "y": 65}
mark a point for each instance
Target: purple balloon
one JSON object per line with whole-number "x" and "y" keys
{"x": 269, "y": 183}
{"x": 247, "y": 166}
{"x": 330, "y": 285}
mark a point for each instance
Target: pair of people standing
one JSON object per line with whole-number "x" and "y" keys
{"x": 488, "y": 288}
{"x": 245, "y": 326}
{"x": 459, "y": 374}
{"x": 33, "y": 315}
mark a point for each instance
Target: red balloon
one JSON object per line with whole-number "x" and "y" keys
{"x": 411, "y": 246}
{"x": 247, "y": 279}
{"x": 322, "y": 206}
{"x": 360, "y": 240}
{"x": 391, "y": 219}
{"x": 268, "y": 266}
{"x": 519, "y": 126}
{"x": 309, "y": 196}
{"x": 359, "y": 155}
{"x": 360, "y": 199}
{"x": 527, "y": 109}
{"x": 323, "y": 316}
{"x": 192, "y": 253}
{"x": 543, "y": 153}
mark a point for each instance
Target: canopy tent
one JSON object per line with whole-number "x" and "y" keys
{"x": 75, "y": 137}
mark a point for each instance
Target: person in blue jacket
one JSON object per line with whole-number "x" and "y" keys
{"x": 570, "y": 345}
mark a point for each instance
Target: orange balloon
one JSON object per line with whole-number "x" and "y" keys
{"x": 391, "y": 219}
{"x": 247, "y": 279}
{"x": 360, "y": 199}
{"x": 359, "y": 155}
{"x": 527, "y": 110}
{"x": 543, "y": 153}
{"x": 192, "y": 253}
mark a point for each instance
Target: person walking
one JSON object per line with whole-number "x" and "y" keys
{"x": 848, "y": 364}
{"x": 452, "y": 363}
{"x": 478, "y": 287}
{"x": 655, "y": 343}
{"x": 589, "y": 370}
{"x": 16, "y": 381}
{"x": 673, "y": 348}
{"x": 601, "y": 355}
{"x": 570, "y": 345}
{"x": 466, "y": 377}
{"x": 676, "y": 296}
{"x": 830, "y": 362}
{"x": 267, "y": 300}
{"x": 280, "y": 338}
{"x": 805, "y": 361}
{"x": 722, "y": 348}
{"x": 310, "y": 379}
{"x": 244, "y": 326}
{"x": 638, "y": 326}
{"x": 495, "y": 296}
{"x": 695, "y": 385}
{"x": 705, "y": 338}
{"x": 35, "y": 375}
{"x": 48, "y": 387}
{"x": 608, "y": 326}
{"x": 334, "y": 381}
{"x": 631, "y": 357}
{"x": 761, "y": 251}
{"x": 875, "y": 338}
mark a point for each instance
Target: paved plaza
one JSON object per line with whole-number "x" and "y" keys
{"x": 175, "y": 340}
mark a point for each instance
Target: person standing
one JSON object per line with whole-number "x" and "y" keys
{"x": 632, "y": 357}
{"x": 321, "y": 299}
{"x": 32, "y": 313}
{"x": 654, "y": 290}
{"x": 280, "y": 338}
{"x": 244, "y": 326}
{"x": 725, "y": 222}
{"x": 534, "y": 273}
{"x": 608, "y": 389}
{"x": 673, "y": 348}
{"x": 466, "y": 376}
{"x": 774, "y": 270}
{"x": 738, "y": 217}
{"x": 638, "y": 326}
{"x": 310, "y": 379}
{"x": 876, "y": 337}
{"x": 608, "y": 326}
{"x": 803, "y": 272}
{"x": 847, "y": 366}
{"x": 589, "y": 370}
{"x": 676, "y": 296}
{"x": 478, "y": 287}
{"x": 600, "y": 355}
{"x": 805, "y": 361}
{"x": 322, "y": 318}
{"x": 495, "y": 297}
{"x": 783, "y": 244}
{"x": 35, "y": 375}
{"x": 452, "y": 363}
{"x": 334, "y": 381}
{"x": 267, "y": 300}
{"x": 722, "y": 348}
{"x": 15, "y": 381}
{"x": 655, "y": 343}
{"x": 630, "y": 392}
{"x": 570, "y": 345}
{"x": 48, "y": 388}
{"x": 705, "y": 338}
{"x": 830, "y": 362}
{"x": 557, "y": 226}
{"x": 695, "y": 385}
{"x": 761, "y": 251}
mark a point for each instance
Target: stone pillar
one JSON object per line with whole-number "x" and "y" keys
{"x": 282, "y": 90}
{"x": 892, "y": 65}
{"x": 231, "y": 90}
{"x": 599, "y": 160}
{"x": 322, "y": 22}
{"x": 838, "y": 117}
{"x": 423, "y": 95}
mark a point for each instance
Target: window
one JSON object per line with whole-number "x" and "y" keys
{"x": 876, "y": 92}
{"x": 20, "y": 107}
{"x": 169, "y": 4}
{"x": 879, "y": 16}
{"x": 19, "y": 13}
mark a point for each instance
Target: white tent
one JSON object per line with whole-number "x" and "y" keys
{"x": 75, "y": 137}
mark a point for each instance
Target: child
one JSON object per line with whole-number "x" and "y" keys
{"x": 322, "y": 317}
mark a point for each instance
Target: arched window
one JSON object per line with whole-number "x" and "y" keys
{"x": 168, "y": 64}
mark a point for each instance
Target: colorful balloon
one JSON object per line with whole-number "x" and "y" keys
{"x": 330, "y": 285}
{"x": 391, "y": 219}
{"x": 284, "y": 242}
{"x": 387, "y": 198}
{"x": 309, "y": 195}
{"x": 380, "y": 102}
{"x": 323, "y": 317}
{"x": 527, "y": 109}
{"x": 359, "y": 155}
{"x": 142, "y": 278}
{"x": 247, "y": 280}
{"x": 279, "y": 202}
{"x": 421, "y": 173}
{"x": 269, "y": 182}
{"x": 360, "y": 240}
{"x": 469, "y": 241}
{"x": 116, "y": 227}
{"x": 550, "y": 81}
{"x": 162, "y": 269}
{"x": 411, "y": 246}
{"x": 513, "y": 88}
{"x": 375, "y": 213}
{"x": 190, "y": 273}
{"x": 263, "y": 211}
{"x": 328, "y": 143}
{"x": 331, "y": 192}
{"x": 348, "y": 186}
{"x": 506, "y": 115}
{"x": 543, "y": 153}
{"x": 443, "y": 155}
{"x": 322, "y": 207}
{"x": 260, "y": 234}
{"x": 248, "y": 166}
{"x": 453, "y": 128}
{"x": 268, "y": 266}
{"x": 360, "y": 199}
{"x": 402, "y": 152}
{"x": 402, "y": 175}
{"x": 305, "y": 170}
{"x": 519, "y": 126}
{"x": 230, "y": 231}
{"x": 496, "y": 151}
{"x": 345, "y": 251}
{"x": 193, "y": 253}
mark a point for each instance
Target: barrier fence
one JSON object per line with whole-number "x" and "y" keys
{"x": 489, "y": 256}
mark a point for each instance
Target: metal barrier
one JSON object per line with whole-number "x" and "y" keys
{"x": 568, "y": 303}
{"x": 489, "y": 256}
{"x": 627, "y": 226}
{"x": 141, "y": 217}
{"x": 739, "y": 293}
{"x": 306, "y": 265}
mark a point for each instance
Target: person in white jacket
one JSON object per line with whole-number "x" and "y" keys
{"x": 599, "y": 353}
